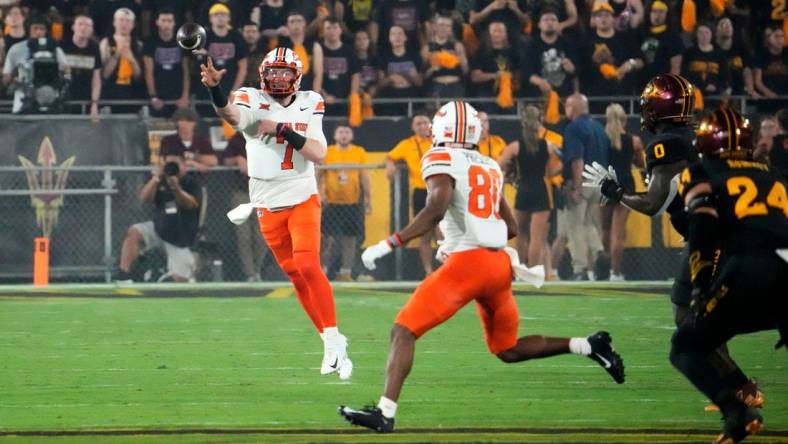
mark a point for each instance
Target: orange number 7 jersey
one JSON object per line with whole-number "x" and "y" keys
{"x": 473, "y": 219}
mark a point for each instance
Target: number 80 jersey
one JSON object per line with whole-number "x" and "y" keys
{"x": 472, "y": 219}
{"x": 279, "y": 176}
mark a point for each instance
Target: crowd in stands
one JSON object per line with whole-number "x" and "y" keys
{"x": 355, "y": 51}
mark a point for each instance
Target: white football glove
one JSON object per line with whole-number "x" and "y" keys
{"x": 595, "y": 174}
{"x": 375, "y": 252}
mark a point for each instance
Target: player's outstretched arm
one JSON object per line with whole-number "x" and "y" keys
{"x": 440, "y": 189}
{"x": 211, "y": 77}
{"x": 656, "y": 198}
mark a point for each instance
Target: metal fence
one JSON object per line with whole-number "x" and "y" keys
{"x": 409, "y": 105}
{"x": 89, "y": 211}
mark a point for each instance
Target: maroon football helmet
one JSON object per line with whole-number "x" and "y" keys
{"x": 724, "y": 133}
{"x": 666, "y": 98}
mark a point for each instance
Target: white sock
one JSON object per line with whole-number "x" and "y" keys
{"x": 330, "y": 334}
{"x": 323, "y": 337}
{"x": 387, "y": 406}
{"x": 580, "y": 346}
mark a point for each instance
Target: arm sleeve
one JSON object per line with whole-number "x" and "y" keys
{"x": 573, "y": 147}
{"x": 314, "y": 129}
{"x": 398, "y": 152}
{"x": 242, "y": 99}
{"x": 436, "y": 161}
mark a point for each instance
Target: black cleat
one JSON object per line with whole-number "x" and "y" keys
{"x": 740, "y": 425}
{"x": 603, "y": 354}
{"x": 369, "y": 417}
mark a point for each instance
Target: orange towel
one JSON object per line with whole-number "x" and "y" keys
{"x": 367, "y": 111}
{"x": 444, "y": 59}
{"x": 125, "y": 71}
{"x": 608, "y": 71}
{"x": 689, "y": 16}
{"x": 552, "y": 114}
{"x": 228, "y": 130}
{"x": 354, "y": 112}
{"x": 57, "y": 31}
{"x": 469, "y": 39}
{"x": 698, "y": 100}
{"x": 301, "y": 51}
{"x": 718, "y": 7}
{"x": 505, "y": 98}
{"x": 785, "y": 30}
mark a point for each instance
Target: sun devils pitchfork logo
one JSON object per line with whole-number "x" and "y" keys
{"x": 47, "y": 205}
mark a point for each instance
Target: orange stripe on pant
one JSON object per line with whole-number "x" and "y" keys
{"x": 294, "y": 237}
{"x": 480, "y": 274}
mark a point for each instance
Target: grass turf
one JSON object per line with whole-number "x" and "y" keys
{"x": 251, "y": 365}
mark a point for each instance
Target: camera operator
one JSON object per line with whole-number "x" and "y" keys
{"x": 174, "y": 227}
{"x": 37, "y": 67}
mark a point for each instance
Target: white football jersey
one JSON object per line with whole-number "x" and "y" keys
{"x": 279, "y": 176}
{"x": 473, "y": 218}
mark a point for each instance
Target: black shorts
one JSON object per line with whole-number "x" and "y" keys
{"x": 419, "y": 200}
{"x": 534, "y": 196}
{"x": 343, "y": 220}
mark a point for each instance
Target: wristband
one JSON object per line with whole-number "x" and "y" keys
{"x": 284, "y": 131}
{"x": 394, "y": 240}
{"x": 218, "y": 97}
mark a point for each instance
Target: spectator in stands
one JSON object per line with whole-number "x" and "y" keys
{"x": 411, "y": 16}
{"x": 103, "y": 14}
{"x": 612, "y": 59}
{"x": 314, "y": 11}
{"x": 341, "y": 75}
{"x": 738, "y": 57}
{"x": 552, "y": 61}
{"x": 565, "y": 12}
{"x": 167, "y": 74}
{"x": 307, "y": 49}
{"x": 585, "y": 141}
{"x": 176, "y": 197}
{"x": 778, "y": 155}
{"x": 195, "y": 149}
{"x": 513, "y": 13}
{"x": 235, "y": 11}
{"x": 356, "y": 15}
{"x": 84, "y": 60}
{"x": 765, "y": 138}
{"x": 627, "y": 14}
{"x": 14, "y": 30}
{"x": 258, "y": 48}
{"x": 121, "y": 59}
{"x": 26, "y": 50}
{"x": 490, "y": 145}
{"x": 771, "y": 70}
{"x": 251, "y": 247}
{"x": 410, "y": 151}
{"x": 271, "y": 16}
{"x": 346, "y": 195}
{"x": 445, "y": 59}
{"x": 661, "y": 45}
{"x": 399, "y": 74}
{"x": 625, "y": 151}
{"x": 705, "y": 66}
{"x": 496, "y": 56}
{"x": 227, "y": 49}
{"x": 534, "y": 201}
{"x": 368, "y": 64}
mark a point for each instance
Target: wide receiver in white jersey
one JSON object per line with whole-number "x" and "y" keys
{"x": 464, "y": 195}
{"x": 283, "y": 128}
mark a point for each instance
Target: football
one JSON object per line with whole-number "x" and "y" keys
{"x": 191, "y": 36}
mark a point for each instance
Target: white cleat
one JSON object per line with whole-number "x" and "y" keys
{"x": 335, "y": 358}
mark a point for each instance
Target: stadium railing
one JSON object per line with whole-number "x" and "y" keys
{"x": 413, "y": 104}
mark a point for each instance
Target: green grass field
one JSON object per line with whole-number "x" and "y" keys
{"x": 79, "y": 367}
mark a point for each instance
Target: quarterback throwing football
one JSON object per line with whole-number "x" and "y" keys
{"x": 283, "y": 128}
